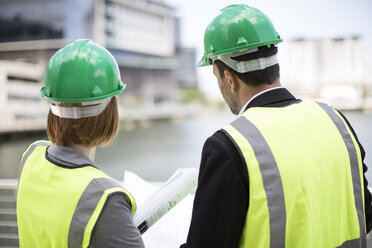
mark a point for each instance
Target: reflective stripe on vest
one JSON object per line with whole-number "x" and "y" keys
{"x": 86, "y": 206}
{"x": 272, "y": 181}
{"x": 90, "y": 188}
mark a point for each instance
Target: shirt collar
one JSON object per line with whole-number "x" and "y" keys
{"x": 68, "y": 157}
{"x": 253, "y": 97}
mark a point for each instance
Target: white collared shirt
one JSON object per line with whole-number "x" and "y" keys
{"x": 253, "y": 97}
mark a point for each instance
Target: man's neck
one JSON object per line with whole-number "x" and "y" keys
{"x": 250, "y": 92}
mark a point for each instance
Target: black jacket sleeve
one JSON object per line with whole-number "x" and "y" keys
{"x": 221, "y": 199}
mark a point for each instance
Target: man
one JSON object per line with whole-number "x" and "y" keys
{"x": 287, "y": 172}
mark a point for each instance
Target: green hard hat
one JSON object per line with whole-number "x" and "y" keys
{"x": 82, "y": 71}
{"x": 238, "y": 27}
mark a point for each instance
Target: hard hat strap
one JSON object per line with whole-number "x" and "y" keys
{"x": 246, "y": 66}
{"x": 77, "y": 112}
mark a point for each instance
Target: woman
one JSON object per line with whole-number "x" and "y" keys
{"x": 63, "y": 199}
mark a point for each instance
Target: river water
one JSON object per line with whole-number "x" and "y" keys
{"x": 156, "y": 151}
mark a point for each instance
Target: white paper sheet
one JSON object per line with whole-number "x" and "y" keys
{"x": 171, "y": 230}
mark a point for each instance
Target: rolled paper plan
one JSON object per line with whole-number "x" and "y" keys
{"x": 178, "y": 186}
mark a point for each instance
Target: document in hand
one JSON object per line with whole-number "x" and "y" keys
{"x": 178, "y": 186}
{"x": 171, "y": 230}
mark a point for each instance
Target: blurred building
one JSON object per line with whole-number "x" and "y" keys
{"x": 143, "y": 36}
{"x": 336, "y": 70}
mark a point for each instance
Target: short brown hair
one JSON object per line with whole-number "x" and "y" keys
{"x": 89, "y": 131}
{"x": 264, "y": 76}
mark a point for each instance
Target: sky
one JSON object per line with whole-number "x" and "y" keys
{"x": 292, "y": 19}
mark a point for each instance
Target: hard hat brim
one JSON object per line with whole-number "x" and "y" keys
{"x": 80, "y": 100}
{"x": 203, "y": 62}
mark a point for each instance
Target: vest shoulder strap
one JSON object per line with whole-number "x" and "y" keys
{"x": 28, "y": 152}
{"x": 354, "y": 164}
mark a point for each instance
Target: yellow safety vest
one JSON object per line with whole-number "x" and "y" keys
{"x": 59, "y": 207}
{"x": 305, "y": 177}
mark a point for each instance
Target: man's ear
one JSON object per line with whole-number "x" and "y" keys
{"x": 232, "y": 80}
